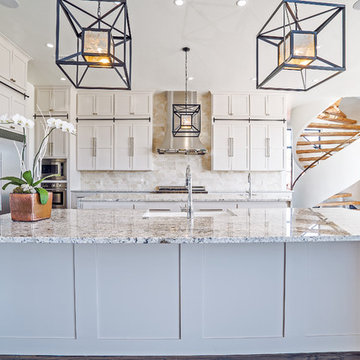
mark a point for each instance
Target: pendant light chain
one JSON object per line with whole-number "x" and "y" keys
{"x": 186, "y": 77}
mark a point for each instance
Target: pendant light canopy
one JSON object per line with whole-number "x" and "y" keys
{"x": 101, "y": 46}
{"x": 301, "y": 46}
{"x": 186, "y": 117}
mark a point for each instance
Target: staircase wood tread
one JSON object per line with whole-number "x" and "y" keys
{"x": 313, "y": 158}
{"x": 309, "y": 151}
{"x": 338, "y": 119}
{"x": 333, "y": 126}
{"x": 319, "y": 142}
{"x": 339, "y": 203}
{"x": 330, "y": 133}
{"x": 340, "y": 195}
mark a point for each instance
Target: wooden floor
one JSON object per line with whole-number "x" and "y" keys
{"x": 315, "y": 356}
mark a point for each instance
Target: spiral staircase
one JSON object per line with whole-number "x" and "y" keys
{"x": 319, "y": 152}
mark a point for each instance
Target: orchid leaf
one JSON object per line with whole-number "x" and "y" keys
{"x": 28, "y": 177}
{"x": 6, "y": 185}
{"x": 44, "y": 195}
{"x": 44, "y": 178}
{"x": 14, "y": 180}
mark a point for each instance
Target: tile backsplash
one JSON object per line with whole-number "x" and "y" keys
{"x": 170, "y": 169}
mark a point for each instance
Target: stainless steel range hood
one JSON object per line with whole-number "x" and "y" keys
{"x": 180, "y": 145}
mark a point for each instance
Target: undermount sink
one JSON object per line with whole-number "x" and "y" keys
{"x": 183, "y": 214}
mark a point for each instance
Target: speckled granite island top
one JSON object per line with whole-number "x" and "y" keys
{"x": 237, "y": 226}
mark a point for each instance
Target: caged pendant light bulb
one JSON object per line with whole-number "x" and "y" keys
{"x": 100, "y": 52}
{"x": 186, "y": 120}
{"x": 301, "y": 45}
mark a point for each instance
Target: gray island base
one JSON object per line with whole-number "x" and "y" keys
{"x": 245, "y": 281}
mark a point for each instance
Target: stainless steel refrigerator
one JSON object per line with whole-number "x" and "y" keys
{"x": 9, "y": 164}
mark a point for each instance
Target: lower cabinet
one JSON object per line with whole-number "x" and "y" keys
{"x": 95, "y": 145}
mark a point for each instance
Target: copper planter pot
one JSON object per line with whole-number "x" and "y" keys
{"x": 27, "y": 207}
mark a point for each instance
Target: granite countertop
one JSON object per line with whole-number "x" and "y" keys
{"x": 277, "y": 196}
{"x": 235, "y": 226}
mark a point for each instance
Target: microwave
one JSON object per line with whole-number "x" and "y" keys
{"x": 54, "y": 166}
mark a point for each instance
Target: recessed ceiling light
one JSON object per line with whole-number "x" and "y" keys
{"x": 62, "y": 79}
{"x": 13, "y": 4}
{"x": 241, "y": 2}
{"x": 179, "y": 2}
{"x": 50, "y": 45}
{"x": 253, "y": 79}
{"x": 191, "y": 78}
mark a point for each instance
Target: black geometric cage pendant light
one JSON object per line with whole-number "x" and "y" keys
{"x": 94, "y": 47}
{"x": 186, "y": 121}
{"x": 301, "y": 46}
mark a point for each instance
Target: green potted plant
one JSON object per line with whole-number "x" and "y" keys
{"x": 28, "y": 200}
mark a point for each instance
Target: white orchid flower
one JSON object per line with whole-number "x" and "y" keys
{"x": 29, "y": 123}
{"x": 59, "y": 123}
{"x": 27, "y": 187}
{"x": 51, "y": 122}
{"x": 68, "y": 127}
{"x": 19, "y": 120}
{"x": 4, "y": 119}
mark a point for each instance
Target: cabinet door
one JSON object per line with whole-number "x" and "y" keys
{"x": 240, "y": 106}
{"x": 258, "y": 139}
{"x": 5, "y": 108}
{"x": 240, "y": 147}
{"x": 85, "y": 147}
{"x": 86, "y": 104}
{"x": 104, "y": 146}
{"x": 5, "y": 61}
{"x": 140, "y": 104}
{"x": 142, "y": 147}
{"x": 221, "y": 147}
{"x": 104, "y": 105}
{"x": 18, "y": 106}
{"x": 59, "y": 144}
{"x": 123, "y": 133}
{"x": 221, "y": 105}
{"x": 275, "y": 107}
{"x": 59, "y": 100}
{"x": 43, "y": 100}
{"x": 258, "y": 106}
{"x": 277, "y": 146}
{"x": 19, "y": 73}
{"x": 122, "y": 104}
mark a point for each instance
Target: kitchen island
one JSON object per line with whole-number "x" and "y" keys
{"x": 113, "y": 282}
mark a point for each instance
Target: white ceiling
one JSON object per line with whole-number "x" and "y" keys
{"x": 221, "y": 37}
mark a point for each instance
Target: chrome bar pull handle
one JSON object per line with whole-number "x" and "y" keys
{"x": 229, "y": 147}
{"x": 94, "y": 146}
{"x": 267, "y": 144}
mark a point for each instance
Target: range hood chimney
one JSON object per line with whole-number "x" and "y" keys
{"x": 180, "y": 145}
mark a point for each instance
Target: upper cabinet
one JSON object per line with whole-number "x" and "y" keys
{"x": 95, "y": 104}
{"x": 52, "y": 100}
{"x": 123, "y": 105}
{"x": 230, "y": 105}
{"x": 13, "y": 65}
{"x": 261, "y": 106}
{"x": 133, "y": 104}
{"x": 11, "y": 103}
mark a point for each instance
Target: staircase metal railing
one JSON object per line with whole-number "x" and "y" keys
{"x": 329, "y": 153}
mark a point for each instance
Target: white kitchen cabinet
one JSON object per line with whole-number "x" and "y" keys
{"x": 11, "y": 103}
{"x": 268, "y": 146}
{"x": 230, "y": 105}
{"x": 95, "y": 145}
{"x": 263, "y": 106}
{"x": 52, "y": 100}
{"x": 133, "y": 104}
{"x": 13, "y": 65}
{"x": 133, "y": 145}
{"x": 95, "y": 104}
{"x": 230, "y": 146}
